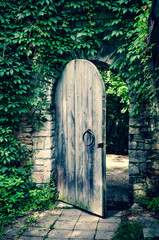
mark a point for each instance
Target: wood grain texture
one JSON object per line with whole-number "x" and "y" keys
{"x": 80, "y": 105}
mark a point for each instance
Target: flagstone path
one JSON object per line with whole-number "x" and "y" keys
{"x": 66, "y": 222}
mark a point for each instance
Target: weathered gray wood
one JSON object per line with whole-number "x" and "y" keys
{"x": 80, "y": 105}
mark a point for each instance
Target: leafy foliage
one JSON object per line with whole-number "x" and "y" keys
{"x": 117, "y": 94}
{"x": 137, "y": 69}
{"x": 151, "y": 200}
{"x": 37, "y": 39}
{"x": 18, "y": 196}
{"x": 129, "y": 231}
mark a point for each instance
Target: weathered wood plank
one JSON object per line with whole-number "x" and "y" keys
{"x": 97, "y": 121}
{"x": 60, "y": 137}
{"x": 70, "y": 128}
{"x": 80, "y": 183}
{"x": 64, "y": 193}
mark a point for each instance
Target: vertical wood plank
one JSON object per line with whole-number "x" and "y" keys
{"x": 60, "y": 137}
{"x": 97, "y": 121}
{"x": 80, "y": 182}
{"x": 70, "y": 128}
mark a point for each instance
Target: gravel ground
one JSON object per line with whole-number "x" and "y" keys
{"x": 119, "y": 195}
{"x": 117, "y": 170}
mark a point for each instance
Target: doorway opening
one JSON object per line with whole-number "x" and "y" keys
{"x": 117, "y": 127}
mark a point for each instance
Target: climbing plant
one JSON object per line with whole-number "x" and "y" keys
{"x": 136, "y": 68}
{"x": 117, "y": 124}
{"x": 37, "y": 39}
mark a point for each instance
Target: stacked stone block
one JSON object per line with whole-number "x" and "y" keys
{"x": 44, "y": 146}
{"x": 25, "y": 134}
{"x": 143, "y": 147}
{"x": 143, "y": 153}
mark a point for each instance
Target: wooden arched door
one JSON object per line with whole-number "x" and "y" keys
{"x": 80, "y": 137}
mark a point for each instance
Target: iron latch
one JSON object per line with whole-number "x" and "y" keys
{"x": 100, "y": 145}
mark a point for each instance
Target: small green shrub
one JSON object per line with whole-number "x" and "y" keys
{"x": 19, "y": 195}
{"x": 151, "y": 200}
{"x": 129, "y": 231}
{"x": 43, "y": 198}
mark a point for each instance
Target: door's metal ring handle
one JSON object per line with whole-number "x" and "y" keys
{"x": 89, "y": 131}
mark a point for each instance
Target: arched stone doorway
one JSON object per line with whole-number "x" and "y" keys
{"x": 141, "y": 145}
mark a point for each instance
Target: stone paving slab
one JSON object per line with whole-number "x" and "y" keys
{"x": 47, "y": 221}
{"x": 106, "y": 235}
{"x": 9, "y": 238}
{"x": 83, "y": 234}
{"x": 108, "y": 226}
{"x": 86, "y": 217}
{"x": 69, "y": 223}
{"x": 115, "y": 220}
{"x": 30, "y": 238}
{"x": 86, "y": 226}
{"x": 65, "y": 225}
{"x": 64, "y": 205}
{"x": 13, "y": 231}
{"x": 71, "y": 212}
{"x": 36, "y": 232}
{"x": 72, "y": 223}
{"x": 64, "y": 217}
{"x": 55, "y": 212}
{"x": 59, "y": 234}
{"x": 80, "y": 238}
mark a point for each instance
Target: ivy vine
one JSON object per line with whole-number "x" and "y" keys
{"x": 39, "y": 37}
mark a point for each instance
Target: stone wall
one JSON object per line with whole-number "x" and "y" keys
{"x": 143, "y": 153}
{"x": 25, "y": 134}
{"x": 143, "y": 135}
{"x": 44, "y": 144}
{"x": 143, "y": 148}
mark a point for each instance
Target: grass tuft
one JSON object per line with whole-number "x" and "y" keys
{"x": 129, "y": 231}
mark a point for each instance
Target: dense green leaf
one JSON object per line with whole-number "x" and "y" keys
{"x": 38, "y": 38}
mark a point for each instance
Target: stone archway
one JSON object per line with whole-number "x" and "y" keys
{"x": 141, "y": 145}
{"x": 44, "y": 139}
